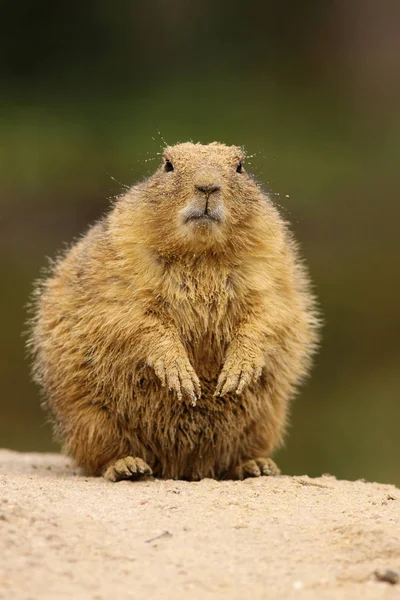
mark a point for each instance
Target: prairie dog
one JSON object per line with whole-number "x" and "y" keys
{"x": 171, "y": 337}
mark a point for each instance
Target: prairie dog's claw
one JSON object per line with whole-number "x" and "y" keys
{"x": 179, "y": 375}
{"x": 237, "y": 373}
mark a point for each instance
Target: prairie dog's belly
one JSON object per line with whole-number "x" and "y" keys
{"x": 182, "y": 440}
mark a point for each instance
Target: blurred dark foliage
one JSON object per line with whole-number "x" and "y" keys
{"x": 89, "y": 92}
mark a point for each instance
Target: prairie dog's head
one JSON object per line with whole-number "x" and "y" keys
{"x": 200, "y": 197}
{"x": 204, "y": 178}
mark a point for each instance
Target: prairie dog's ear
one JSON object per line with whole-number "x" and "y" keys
{"x": 240, "y": 154}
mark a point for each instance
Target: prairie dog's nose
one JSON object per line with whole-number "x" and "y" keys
{"x": 207, "y": 181}
{"x": 208, "y": 189}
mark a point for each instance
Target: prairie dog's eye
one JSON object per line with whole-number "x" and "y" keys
{"x": 168, "y": 167}
{"x": 239, "y": 168}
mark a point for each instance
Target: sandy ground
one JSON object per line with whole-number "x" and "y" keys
{"x": 64, "y": 535}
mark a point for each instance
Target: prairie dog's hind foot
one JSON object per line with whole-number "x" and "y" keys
{"x": 127, "y": 468}
{"x": 256, "y": 467}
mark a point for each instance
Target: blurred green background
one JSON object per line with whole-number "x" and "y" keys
{"x": 89, "y": 91}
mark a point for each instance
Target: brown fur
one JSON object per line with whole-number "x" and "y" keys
{"x": 149, "y": 309}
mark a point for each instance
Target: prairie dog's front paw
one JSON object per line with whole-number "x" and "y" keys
{"x": 178, "y": 374}
{"x": 238, "y": 371}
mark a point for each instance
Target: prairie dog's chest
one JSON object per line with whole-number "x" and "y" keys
{"x": 203, "y": 304}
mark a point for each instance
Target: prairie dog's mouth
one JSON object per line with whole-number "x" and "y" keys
{"x": 203, "y": 216}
